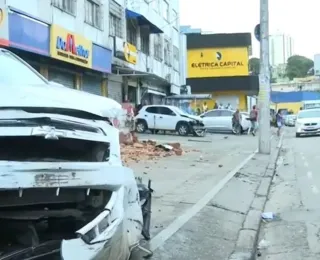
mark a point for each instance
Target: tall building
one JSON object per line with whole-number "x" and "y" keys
{"x": 281, "y": 48}
{"x": 123, "y": 49}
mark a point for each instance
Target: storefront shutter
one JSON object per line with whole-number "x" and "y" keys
{"x": 62, "y": 77}
{"x": 115, "y": 90}
{"x": 91, "y": 84}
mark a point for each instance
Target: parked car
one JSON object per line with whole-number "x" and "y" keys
{"x": 64, "y": 192}
{"x": 290, "y": 120}
{"x": 308, "y": 122}
{"x": 168, "y": 118}
{"x": 220, "y": 120}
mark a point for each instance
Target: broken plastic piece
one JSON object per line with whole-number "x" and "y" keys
{"x": 267, "y": 215}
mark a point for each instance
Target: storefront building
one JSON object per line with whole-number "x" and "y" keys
{"x": 217, "y": 64}
{"x": 60, "y": 55}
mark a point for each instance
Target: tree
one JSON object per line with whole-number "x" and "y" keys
{"x": 254, "y": 66}
{"x": 298, "y": 67}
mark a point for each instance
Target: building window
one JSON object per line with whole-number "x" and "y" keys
{"x": 115, "y": 24}
{"x": 94, "y": 13}
{"x": 68, "y": 6}
{"x": 167, "y": 52}
{"x": 175, "y": 20}
{"x": 158, "y": 47}
{"x": 176, "y": 58}
{"x": 132, "y": 32}
{"x": 165, "y": 10}
{"x": 145, "y": 40}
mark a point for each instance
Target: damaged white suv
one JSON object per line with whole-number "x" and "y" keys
{"x": 64, "y": 193}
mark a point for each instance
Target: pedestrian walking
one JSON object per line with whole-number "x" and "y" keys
{"x": 236, "y": 122}
{"x": 254, "y": 120}
{"x": 279, "y": 120}
{"x": 204, "y": 107}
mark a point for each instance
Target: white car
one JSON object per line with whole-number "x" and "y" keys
{"x": 168, "y": 118}
{"x": 308, "y": 122}
{"x": 220, "y": 120}
{"x": 64, "y": 193}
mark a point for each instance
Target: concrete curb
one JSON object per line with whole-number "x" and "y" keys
{"x": 247, "y": 242}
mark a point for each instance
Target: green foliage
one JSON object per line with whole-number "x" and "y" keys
{"x": 298, "y": 67}
{"x": 254, "y": 66}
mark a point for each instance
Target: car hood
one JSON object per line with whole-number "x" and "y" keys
{"x": 57, "y": 96}
{"x": 308, "y": 120}
{"x": 198, "y": 118}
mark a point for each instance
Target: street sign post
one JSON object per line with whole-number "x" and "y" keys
{"x": 257, "y": 32}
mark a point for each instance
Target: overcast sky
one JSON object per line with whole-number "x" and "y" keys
{"x": 297, "y": 18}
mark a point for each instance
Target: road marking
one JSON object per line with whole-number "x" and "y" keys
{"x": 315, "y": 189}
{"x": 306, "y": 164}
{"x": 309, "y": 174}
{"x": 180, "y": 221}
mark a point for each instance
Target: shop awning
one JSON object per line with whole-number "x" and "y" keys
{"x": 155, "y": 92}
{"x": 142, "y": 21}
{"x": 153, "y": 79}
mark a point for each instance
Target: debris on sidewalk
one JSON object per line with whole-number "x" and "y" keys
{"x": 136, "y": 151}
{"x": 200, "y": 141}
{"x": 267, "y": 215}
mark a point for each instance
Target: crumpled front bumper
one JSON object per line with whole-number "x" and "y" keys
{"x": 114, "y": 231}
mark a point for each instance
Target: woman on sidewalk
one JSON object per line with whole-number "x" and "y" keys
{"x": 279, "y": 120}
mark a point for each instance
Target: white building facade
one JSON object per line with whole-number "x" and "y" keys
{"x": 124, "y": 49}
{"x": 281, "y": 48}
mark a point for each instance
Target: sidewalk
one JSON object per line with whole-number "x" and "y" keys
{"x": 294, "y": 233}
{"x": 226, "y": 225}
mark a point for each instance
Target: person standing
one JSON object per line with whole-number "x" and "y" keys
{"x": 254, "y": 119}
{"x": 204, "y": 107}
{"x": 236, "y": 122}
{"x": 279, "y": 120}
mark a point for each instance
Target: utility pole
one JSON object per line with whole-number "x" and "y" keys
{"x": 264, "y": 81}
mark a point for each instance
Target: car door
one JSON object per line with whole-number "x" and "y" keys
{"x": 226, "y": 120}
{"x": 211, "y": 120}
{"x": 150, "y": 116}
{"x": 166, "y": 119}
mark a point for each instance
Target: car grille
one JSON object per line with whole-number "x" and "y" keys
{"x": 309, "y": 124}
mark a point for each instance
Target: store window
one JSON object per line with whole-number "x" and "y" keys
{"x": 94, "y": 13}
{"x": 132, "y": 32}
{"x": 68, "y": 6}
{"x": 158, "y": 47}
{"x": 145, "y": 40}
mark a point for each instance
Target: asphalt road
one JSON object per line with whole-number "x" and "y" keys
{"x": 295, "y": 200}
{"x": 186, "y": 223}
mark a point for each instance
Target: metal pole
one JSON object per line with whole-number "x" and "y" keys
{"x": 264, "y": 81}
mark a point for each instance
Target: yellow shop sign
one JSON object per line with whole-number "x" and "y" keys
{"x": 222, "y": 62}
{"x": 70, "y": 47}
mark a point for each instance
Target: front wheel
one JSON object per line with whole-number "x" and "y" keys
{"x": 183, "y": 129}
{"x": 141, "y": 126}
{"x": 298, "y": 135}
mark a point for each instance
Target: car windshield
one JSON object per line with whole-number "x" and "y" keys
{"x": 179, "y": 111}
{"x": 309, "y": 114}
{"x": 15, "y": 72}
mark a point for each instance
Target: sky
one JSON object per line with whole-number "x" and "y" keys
{"x": 297, "y": 18}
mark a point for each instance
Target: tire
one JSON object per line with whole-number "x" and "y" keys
{"x": 297, "y": 135}
{"x": 183, "y": 129}
{"x": 141, "y": 126}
